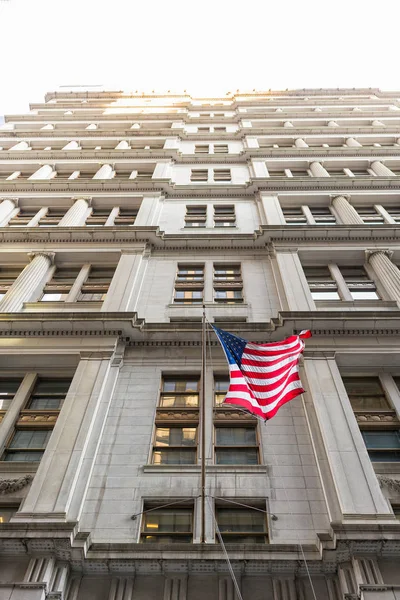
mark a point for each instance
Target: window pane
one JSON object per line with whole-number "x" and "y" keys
{"x": 23, "y": 456}
{"x": 6, "y": 513}
{"x": 325, "y": 295}
{"x": 361, "y": 295}
{"x": 365, "y": 393}
{"x": 381, "y": 439}
{"x": 232, "y": 520}
{"x": 231, "y": 436}
{"x": 239, "y": 456}
{"x": 179, "y": 401}
{"x": 47, "y": 297}
{"x": 30, "y": 439}
{"x": 175, "y": 436}
{"x": 174, "y": 457}
{"x": 168, "y": 521}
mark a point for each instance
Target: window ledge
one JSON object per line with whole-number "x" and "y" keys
{"x": 238, "y": 469}
{"x": 235, "y": 305}
{"x": 376, "y": 304}
{"x": 8, "y": 466}
{"x": 62, "y": 306}
{"x": 386, "y": 467}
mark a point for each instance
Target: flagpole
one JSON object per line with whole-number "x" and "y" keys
{"x": 202, "y": 429}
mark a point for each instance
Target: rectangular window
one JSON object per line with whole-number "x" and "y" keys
{"x": 49, "y": 394}
{"x": 203, "y": 130}
{"x": 27, "y": 445}
{"x": 96, "y": 285}
{"x": 228, "y": 284}
{"x": 322, "y": 285}
{"x": 8, "y": 389}
{"x": 175, "y": 446}
{"x": 219, "y": 129}
{"x": 196, "y": 216}
{"x": 201, "y": 149}
{"x": 60, "y": 285}
{"x": 359, "y": 284}
{"x": 221, "y": 385}
{"x": 180, "y": 393}
{"x": 167, "y": 525}
{"x": 23, "y": 217}
{"x": 189, "y": 284}
{"x": 294, "y": 216}
{"x": 370, "y": 216}
{"x": 7, "y": 511}
{"x": 221, "y": 149}
{"x": 242, "y": 525}
{"x": 336, "y": 172}
{"x": 222, "y": 175}
{"x": 323, "y": 216}
{"x": 7, "y": 277}
{"x": 224, "y": 215}
{"x": 53, "y": 217}
{"x": 236, "y": 446}
{"x": 366, "y": 394}
{"x": 299, "y": 172}
{"x": 276, "y": 173}
{"x": 98, "y": 217}
{"x": 382, "y": 446}
{"x": 126, "y": 216}
{"x": 199, "y": 175}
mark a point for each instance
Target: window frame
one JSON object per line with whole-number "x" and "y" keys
{"x": 237, "y": 448}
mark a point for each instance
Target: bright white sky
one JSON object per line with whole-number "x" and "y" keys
{"x": 206, "y": 47}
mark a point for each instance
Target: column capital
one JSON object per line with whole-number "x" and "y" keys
{"x": 87, "y": 199}
{"x": 369, "y": 253}
{"x": 49, "y": 255}
{"x": 334, "y": 196}
{"x": 15, "y": 201}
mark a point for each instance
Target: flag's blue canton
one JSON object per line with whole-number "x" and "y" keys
{"x": 233, "y": 345}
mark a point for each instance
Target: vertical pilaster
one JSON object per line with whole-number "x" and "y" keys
{"x": 271, "y": 211}
{"x": 357, "y": 488}
{"x": 259, "y": 168}
{"x": 126, "y": 283}
{"x": 294, "y": 282}
{"x": 149, "y": 210}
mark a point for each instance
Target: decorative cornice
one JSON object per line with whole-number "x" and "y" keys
{"x": 9, "y": 486}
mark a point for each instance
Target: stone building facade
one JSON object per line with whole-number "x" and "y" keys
{"x": 120, "y": 215}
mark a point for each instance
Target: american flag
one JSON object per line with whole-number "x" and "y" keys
{"x": 263, "y": 377}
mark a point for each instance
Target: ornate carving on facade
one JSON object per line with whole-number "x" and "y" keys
{"x": 177, "y": 415}
{"x": 389, "y": 482}
{"x": 29, "y": 417}
{"x": 9, "y": 486}
{"x": 232, "y": 414}
{"x": 374, "y": 417}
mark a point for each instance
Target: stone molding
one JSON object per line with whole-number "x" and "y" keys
{"x": 11, "y": 198}
{"x": 9, "y": 486}
{"x": 49, "y": 255}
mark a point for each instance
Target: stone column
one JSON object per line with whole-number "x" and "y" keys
{"x": 288, "y": 124}
{"x": 318, "y": 170}
{"x": 377, "y": 123}
{"x": 27, "y": 284}
{"x": 252, "y": 141}
{"x": 162, "y": 171}
{"x": 351, "y": 486}
{"x": 353, "y": 143}
{"x": 20, "y": 146}
{"x": 387, "y": 272}
{"x": 300, "y": 143}
{"x": 76, "y": 215}
{"x": 381, "y": 170}
{"x": 44, "y": 172}
{"x": 17, "y": 405}
{"x": 7, "y": 207}
{"x": 347, "y": 213}
{"x": 293, "y": 282}
{"x": 332, "y": 124}
{"x": 105, "y": 172}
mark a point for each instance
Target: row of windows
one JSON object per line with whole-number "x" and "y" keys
{"x": 196, "y": 215}
{"x": 94, "y": 286}
{"x": 332, "y": 171}
{"x": 53, "y": 216}
{"x": 325, "y": 283}
{"x": 177, "y": 444}
{"x": 310, "y": 215}
{"x": 227, "y": 284}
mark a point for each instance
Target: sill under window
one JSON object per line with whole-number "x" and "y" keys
{"x": 386, "y": 467}
{"x": 8, "y": 466}
{"x": 181, "y": 469}
{"x": 62, "y": 306}
{"x": 365, "y": 304}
